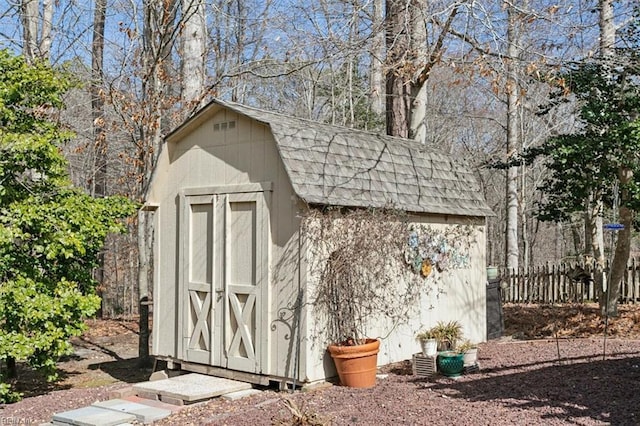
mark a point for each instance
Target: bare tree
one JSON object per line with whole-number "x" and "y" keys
{"x": 160, "y": 34}
{"x": 45, "y": 34}
{"x": 377, "y": 57}
{"x": 99, "y": 182}
{"x": 409, "y": 63}
{"x": 193, "y": 37}
{"x": 36, "y": 32}
{"x": 611, "y": 292}
{"x": 514, "y": 26}
{"x": 29, "y": 18}
{"x": 444, "y": 63}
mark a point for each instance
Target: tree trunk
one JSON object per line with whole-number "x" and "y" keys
{"x": 623, "y": 246}
{"x": 420, "y": 57}
{"x": 150, "y": 94}
{"x": 588, "y": 234}
{"x": 513, "y": 91}
{"x": 608, "y": 303}
{"x": 409, "y": 62}
{"x": 576, "y": 237}
{"x": 12, "y": 370}
{"x": 607, "y": 28}
{"x": 398, "y": 106}
{"x": 398, "y": 101}
{"x": 145, "y": 239}
{"x": 36, "y": 31}
{"x": 194, "y": 34}
{"x": 377, "y": 86}
{"x": 594, "y": 227}
{"x": 150, "y": 134}
{"x": 527, "y": 253}
{"x": 99, "y": 182}
{"x": 345, "y": 101}
{"x": 418, "y": 113}
{"x": 29, "y": 18}
{"x": 159, "y": 29}
{"x": 238, "y": 13}
{"x": 47, "y": 23}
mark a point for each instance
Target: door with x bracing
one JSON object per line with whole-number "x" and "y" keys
{"x": 224, "y": 267}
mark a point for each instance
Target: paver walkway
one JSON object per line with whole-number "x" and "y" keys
{"x": 152, "y": 400}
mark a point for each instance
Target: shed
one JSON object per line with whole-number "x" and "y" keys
{"x": 229, "y": 190}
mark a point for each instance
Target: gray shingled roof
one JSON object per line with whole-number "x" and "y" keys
{"x": 334, "y": 165}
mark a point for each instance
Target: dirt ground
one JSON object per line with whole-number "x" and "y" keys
{"x": 104, "y": 355}
{"x": 552, "y": 367}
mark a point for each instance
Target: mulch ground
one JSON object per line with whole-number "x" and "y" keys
{"x": 533, "y": 321}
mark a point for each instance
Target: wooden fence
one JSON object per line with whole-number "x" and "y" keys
{"x": 567, "y": 282}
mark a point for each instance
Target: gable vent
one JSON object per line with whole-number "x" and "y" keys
{"x": 224, "y": 126}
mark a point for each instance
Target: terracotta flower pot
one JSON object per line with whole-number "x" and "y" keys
{"x": 357, "y": 364}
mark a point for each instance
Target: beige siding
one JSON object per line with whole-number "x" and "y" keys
{"x": 205, "y": 157}
{"x": 287, "y": 292}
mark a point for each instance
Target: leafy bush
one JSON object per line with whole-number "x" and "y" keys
{"x": 50, "y": 233}
{"x": 7, "y": 395}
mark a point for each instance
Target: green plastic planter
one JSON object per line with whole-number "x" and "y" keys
{"x": 450, "y": 363}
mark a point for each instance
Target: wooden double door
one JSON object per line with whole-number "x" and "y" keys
{"x": 224, "y": 275}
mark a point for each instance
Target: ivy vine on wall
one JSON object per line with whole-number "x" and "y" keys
{"x": 360, "y": 257}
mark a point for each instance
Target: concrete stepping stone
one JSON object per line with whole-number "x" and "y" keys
{"x": 92, "y": 416}
{"x": 143, "y": 413}
{"x": 233, "y": 396}
{"x": 189, "y": 388}
{"x": 155, "y": 403}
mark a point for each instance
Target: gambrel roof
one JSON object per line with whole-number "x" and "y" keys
{"x": 333, "y": 165}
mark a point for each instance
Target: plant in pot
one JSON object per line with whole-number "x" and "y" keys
{"x": 469, "y": 351}
{"x": 449, "y": 361}
{"x": 428, "y": 342}
{"x": 447, "y": 334}
{"x": 354, "y": 354}
{"x": 354, "y": 252}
